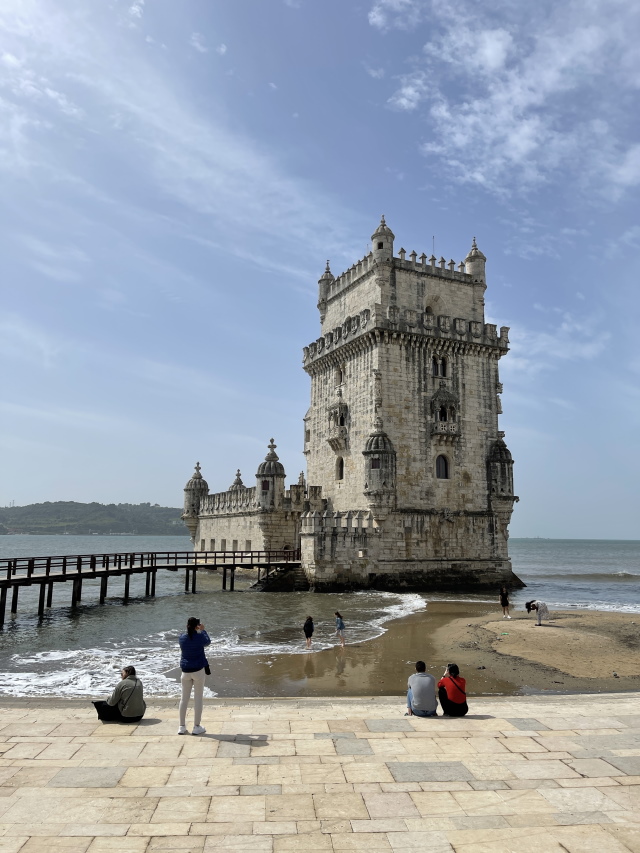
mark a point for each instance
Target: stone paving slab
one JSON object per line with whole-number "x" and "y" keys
{"x": 518, "y": 774}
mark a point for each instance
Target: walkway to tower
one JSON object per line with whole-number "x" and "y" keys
{"x": 18, "y": 572}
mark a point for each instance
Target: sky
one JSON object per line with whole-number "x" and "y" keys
{"x": 176, "y": 174}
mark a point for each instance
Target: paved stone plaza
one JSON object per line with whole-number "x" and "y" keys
{"x": 521, "y": 774}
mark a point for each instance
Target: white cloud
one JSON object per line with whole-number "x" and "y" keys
{"x": 21, "y": 340}
{"x": 397, "y": 14}
{"x": 376, "y": 73}
{"x": 221, "y": 49}
{"x": 273, "y": 85}
{"x": 136, "y": 10}
{"x": 574, "y": 339}
{"x": 513, "y": 97}
{"x": 197, "y": 42}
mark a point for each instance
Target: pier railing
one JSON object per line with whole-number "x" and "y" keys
{"x": 16, "y": 572}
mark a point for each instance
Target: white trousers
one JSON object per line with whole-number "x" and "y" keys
{"x": 191, "y": 680}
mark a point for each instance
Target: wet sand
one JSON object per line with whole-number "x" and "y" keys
{"x": 576, "y": 651}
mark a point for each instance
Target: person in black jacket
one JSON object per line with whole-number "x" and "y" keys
{"x": 193, "y": 663}
{"x": 308, "y": 630}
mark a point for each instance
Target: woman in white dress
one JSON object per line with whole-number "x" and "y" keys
{"x": 541, "y": 608}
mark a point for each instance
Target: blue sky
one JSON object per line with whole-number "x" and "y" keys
{"x": 176, "y": 174}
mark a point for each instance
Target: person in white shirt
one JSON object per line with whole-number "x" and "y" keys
{"x": 541, "y": 608}
{"x": 421, "y": 693}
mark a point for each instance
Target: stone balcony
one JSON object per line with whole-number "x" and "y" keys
{"x": 445, "y": 428}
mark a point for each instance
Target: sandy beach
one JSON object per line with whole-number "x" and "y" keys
{"x": 576, "y": 651}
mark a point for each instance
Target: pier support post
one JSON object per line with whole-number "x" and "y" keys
{"x": 74, "y": 592}
{"x": 186, "y": 580}
{"x": 3, "y": 604}
{"x": 153, "y": 583}
{"x": 41, "y": 600}
{"x": 14, "y": 600}
{"x": 193, "y": 581}
{"x": 232, "y": 585}
{"x": 79, "y": 590}
{"x": 127, "y": 580}
{"x": 103, "y": 588}
{"x": 147, "y": 584}
{"x": 224, "y": 577}
{"x": 49, "y": 594}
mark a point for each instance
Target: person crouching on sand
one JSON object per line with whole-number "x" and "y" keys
{"x": 504, "y": 602}
{"x": 308, "y": 630}
{"x": 541, "y": 608}
{"x": 421, "y": 693}
{"x": 339, "y": 627}
{"x": 452, "y": 692}
{"x": 125, "y": 705}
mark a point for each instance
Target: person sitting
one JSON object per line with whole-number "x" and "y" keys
{"x": 421, "y": 693}
{"x": 452, "y": 692}
{"x": 541, "y": 608}
{"x": 125, "y": 705}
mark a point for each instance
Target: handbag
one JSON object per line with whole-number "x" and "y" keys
{"x": 207, "y": 668}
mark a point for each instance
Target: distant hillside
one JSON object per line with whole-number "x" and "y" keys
{"x": 71, "y": 517}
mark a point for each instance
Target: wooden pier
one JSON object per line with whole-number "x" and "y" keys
{"x": 17, "y": 572}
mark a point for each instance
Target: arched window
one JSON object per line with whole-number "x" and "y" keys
{"x": 340, "y": 468}
{"x": 339, "y": 376}
{"x": 428, "y": 310}
{"x": 442, "y": 468}
{"x": 443, "y": 367}
{"x": 265, "y": 485}
{"x": 442, "y": 414}
{"x": 375, "y": 462}
{"x": 341, "y": 420}
{"x": 434, "y": 366}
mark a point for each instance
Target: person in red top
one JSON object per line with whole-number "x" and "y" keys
{"x": 452, "y": 692}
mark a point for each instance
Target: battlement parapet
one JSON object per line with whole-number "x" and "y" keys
{"x": 336, "y": 522}
{"x": 231, "y": 501}
{"x": 424, "y": 324}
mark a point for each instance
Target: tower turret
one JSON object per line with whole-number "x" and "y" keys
{"x": 325, "y": 280}
{"x": 237, "y": 483}
{"x": 380, "y": 470}
{"x": 196, "y": 489}
{"x": 382, "y": 242}
{"x": 270, "y": 480}
{"x": 500, "y": 471}
{"x": 474, "y": 263}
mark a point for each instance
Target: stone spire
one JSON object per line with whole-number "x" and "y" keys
{"x": 237, "y": 483}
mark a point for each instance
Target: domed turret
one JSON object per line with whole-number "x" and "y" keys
{"x": 324, "y": 282}
{"x": 237, "y": 483}
{"x": 500, "y": 469}
{"x": 475, "y": 263}
{"x": 382, "y": 241}
{"x": 380, "y": 470}
{"x": 270, "y": 480}
{"x": 196, "y": 489}
{"x": 271, "y": 467}
{"x": 378, "y": 441}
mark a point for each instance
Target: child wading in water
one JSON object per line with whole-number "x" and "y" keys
{"x": 504, "y": 602}
{"x": 339, "y": 627}
{"x": 308, "y": 630}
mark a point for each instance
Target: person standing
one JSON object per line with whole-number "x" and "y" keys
{"x": 340, "y": 627}
{"x": 308, "y": 630}
{"x": 541, "y": 609}
{"x": 192, "y": 664}
{"x": 452, "y": 692}
{"x": 504, "y": 602}
{"x": 125, "y": 705}
{"x": 421, "y": 693}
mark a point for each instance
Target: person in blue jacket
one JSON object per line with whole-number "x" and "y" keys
{"x": 340, "y": 627}
{"x": 193, "y": 664}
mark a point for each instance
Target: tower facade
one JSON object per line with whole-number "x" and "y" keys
{"x": 409, "y": 481}
{"x": 402, "y": 433}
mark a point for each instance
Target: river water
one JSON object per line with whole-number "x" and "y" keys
{"x": 79, "y": 652}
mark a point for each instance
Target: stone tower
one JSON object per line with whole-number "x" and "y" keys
{"x": 402, "y": 433}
